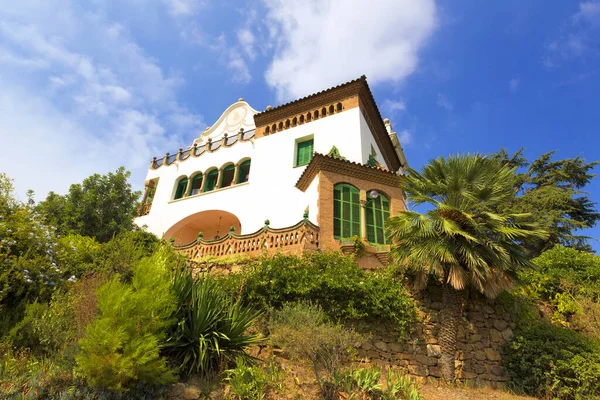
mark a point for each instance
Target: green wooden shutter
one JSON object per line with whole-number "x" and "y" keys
{"x": 211, "y": 180}
{"x": 346, "y": 211}
{"x": 377, "y": 213}
{"x": 304, "y": 152}
{"x": 181, "y": 186}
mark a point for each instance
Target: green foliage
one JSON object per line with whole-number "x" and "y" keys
{"x": 303, "y": 332}
{"x": 363, "y": 383}
{"x": 29, "y": 268}
{"x": 100, "y": 207}
{"x": 331, "y": 280}
{"x": 552, "y": 191}
{"x": 211, "y": 328}
{"x": 569, "y": 281}
{"x": 458, "y": 241}
{"x": 248, "y": 382}
{"x": 121, "y": 346}
{"x": 556, "y": 362}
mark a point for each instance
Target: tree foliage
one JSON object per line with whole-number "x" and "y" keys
{"x": 457, "y": 241}
{"x": 552, "y": 191}
{"x": 100, "y": 207}
{"x": 121, "y": 346}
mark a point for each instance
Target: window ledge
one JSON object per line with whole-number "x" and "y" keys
{"x": 205, "y": 193}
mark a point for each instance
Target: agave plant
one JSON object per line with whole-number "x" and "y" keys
{"x": 211, "y": 328}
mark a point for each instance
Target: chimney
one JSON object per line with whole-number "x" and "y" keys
{"x": 388, "y": 125}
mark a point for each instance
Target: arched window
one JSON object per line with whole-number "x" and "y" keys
{"x": 181, "y": 186}
{"x": 196, "y": 184}
{"x": 323, "y": 112}
{"x": 377, "y": 213}
{"x": 346, "y": 211}
{"x": 267, "y": 130}
{"x": 331, "y": 109}
{"x": 339, "y": 107}
{"x": 227, "y": 176}
{"x": 211, "y": 180}
{"x": 243, "y": 172}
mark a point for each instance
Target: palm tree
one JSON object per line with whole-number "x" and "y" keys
{"x": 458, "y": 241}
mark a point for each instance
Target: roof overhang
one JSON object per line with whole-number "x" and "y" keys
{"x": 321, "y": 162}
{"x": 367, "y": 105}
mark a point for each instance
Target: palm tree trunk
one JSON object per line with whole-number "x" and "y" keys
{"x": 450, "y": 315}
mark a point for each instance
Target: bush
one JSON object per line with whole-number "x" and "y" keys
{"x": 551, "y": 361}
{"x": 303, "y": 332}
{"x": 121, "y": 346}
{"x": 211, "y": 328}
{"x": 250, "y": 382}
{"x": 53, "y": 329}
{"x": 333, "y": 281}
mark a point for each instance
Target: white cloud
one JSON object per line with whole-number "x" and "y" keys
{"x": 246, "y": 40}
{"x": 589, "y": 11}
{"x": 513, "y": 84}
{"x": 183, "y": 7}
{"x": 443, "y": 102}
{"x": 579, "y": 37}
{"x": 405, "y": 137}
{"x": 320, "y": 44}
{"x": 394, "y": 106}
{"x": 97, "y": 100}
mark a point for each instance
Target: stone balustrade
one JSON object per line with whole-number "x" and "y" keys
{"x": 304, "y": 236}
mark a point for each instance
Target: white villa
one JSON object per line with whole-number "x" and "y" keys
{"x": 313, "y": 173}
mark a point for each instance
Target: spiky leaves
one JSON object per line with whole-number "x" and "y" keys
{"x": 211, "y": 328}
{"x": 457, "y": 241}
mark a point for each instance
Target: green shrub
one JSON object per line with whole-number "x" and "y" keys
{"x": 335, "y": 282}
{"x": 121, "y": 346}
{"x": 547, "y": 360}
{"x": 303, "y": 332}
{"x": 210, "y": 327}
{"x": 247, "y": 382}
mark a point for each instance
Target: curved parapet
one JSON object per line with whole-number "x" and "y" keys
{"x": 304, "y": 236}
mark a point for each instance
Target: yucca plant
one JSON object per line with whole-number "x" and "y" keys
{"x": 211, "y": 328}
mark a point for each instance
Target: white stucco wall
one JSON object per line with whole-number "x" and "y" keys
{"x": 367, "y": 140}
{"x": 270, "y": 192}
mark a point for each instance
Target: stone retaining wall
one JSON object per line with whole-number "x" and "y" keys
{"x": 485, "y": 329}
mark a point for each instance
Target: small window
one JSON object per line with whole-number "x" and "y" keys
{"x": 304, "y": 152}
{"x": 211, "y": 180}
{"x": 196, "y": 184}
{"x": 181, "y": 186}
{"x": 243, "y": 172}
{"x": 227, "y": 176}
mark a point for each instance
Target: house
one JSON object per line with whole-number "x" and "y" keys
{"x": 305, "y": 175}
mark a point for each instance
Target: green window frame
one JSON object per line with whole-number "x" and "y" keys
{"x": 346, "y": 211}
{"x": 196, "y": 184}
{"x": 211, "y": 180}
{"x": 181, "y": 187}
{"x": 227, "y": 176}
{"x": 243, "y": 172}
{"x": 377, "y": 213}
{"x": 304, "y": 152}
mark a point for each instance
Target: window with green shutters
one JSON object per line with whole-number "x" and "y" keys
{"x": 243, "y": 172}
{"x": 181, "y": 186}
{"x": 227, "y": 176}
{"x": 211, "y": 180}
{"x": 196, "y": 184}
{"x": 346, "y": 211}
{"x": 377, "y": 213}
{"x": 304, "y": 152}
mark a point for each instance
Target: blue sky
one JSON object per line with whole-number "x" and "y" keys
{"x": 88, "y": 86}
